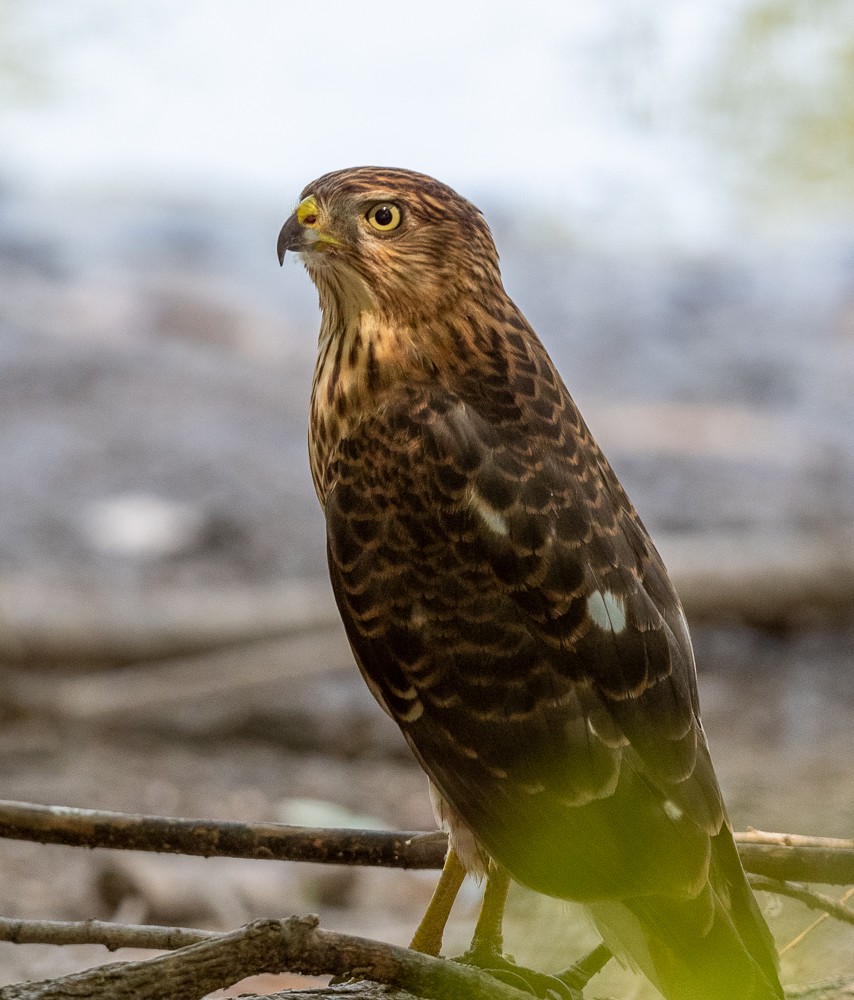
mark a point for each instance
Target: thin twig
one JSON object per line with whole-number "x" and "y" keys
{"x": 805, "y": 933}
{"x": 112, "y": 936}
{"x": 805, "y": 895}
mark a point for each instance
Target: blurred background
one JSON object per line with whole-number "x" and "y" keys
{"x": 671, "y": 186}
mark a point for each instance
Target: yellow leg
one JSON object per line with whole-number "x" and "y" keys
{"x": 488, "y": 935}
{"x": 428, "y": 937}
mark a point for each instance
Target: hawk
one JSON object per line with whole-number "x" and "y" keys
{"x": 502, "y": 598}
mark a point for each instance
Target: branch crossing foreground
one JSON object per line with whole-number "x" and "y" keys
{"x": 200, "y": 962}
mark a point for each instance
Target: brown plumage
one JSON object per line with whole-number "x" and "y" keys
{"x": 502, "y": 598}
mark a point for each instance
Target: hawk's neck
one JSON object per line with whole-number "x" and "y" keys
{"x": 365, "y": 352}
{"x": 359, "y": 360}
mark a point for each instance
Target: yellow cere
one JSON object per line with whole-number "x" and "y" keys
{"x": 307, "y": 212}
{"x": 308, "y": 216}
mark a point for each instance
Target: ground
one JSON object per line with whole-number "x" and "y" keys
{"x": 315, "y": 749}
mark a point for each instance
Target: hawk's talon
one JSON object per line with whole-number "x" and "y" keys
{"x": 505, "y": 970}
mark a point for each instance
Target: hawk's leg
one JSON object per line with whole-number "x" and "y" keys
{"x": 486, "y": 951}
{"x": 488, "y": 937}
{"x": 428, "y": 936}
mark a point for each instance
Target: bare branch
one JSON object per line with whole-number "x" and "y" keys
{"x": 775, "y": 855}
{"x": 828, "y": 989}
{"x": 294, "y": 945}
{"x": 220, "y": 838}
{"x": 805, "y": 895}
{"x": 363, "y": 990}
{"x": 111, "y": 936}
{"x": 787, "y": 856}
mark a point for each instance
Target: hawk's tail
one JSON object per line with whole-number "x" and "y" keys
{"x": 714, "y": 947}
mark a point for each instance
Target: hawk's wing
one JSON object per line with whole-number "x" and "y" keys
{"x": 507, "y": 607}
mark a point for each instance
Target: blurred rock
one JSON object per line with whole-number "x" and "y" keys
{"x": 318, "y": 813}
{"x": 141, "y": 526}
{"x": 182, "y": 891}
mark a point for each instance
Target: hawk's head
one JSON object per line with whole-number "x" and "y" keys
{"x": 392, "y": 241}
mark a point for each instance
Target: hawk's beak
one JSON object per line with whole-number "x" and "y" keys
{"x": 292, "y": 237}
{"x": 302, "y": 232}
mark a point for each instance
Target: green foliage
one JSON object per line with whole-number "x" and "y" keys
{"x": 781, "y": 100}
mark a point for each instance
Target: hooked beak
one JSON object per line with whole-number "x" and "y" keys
{"x": 302, "y": 232}
{"x": 292, "y": 237}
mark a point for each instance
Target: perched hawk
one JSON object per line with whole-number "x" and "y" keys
{"x": 502, "y": 598}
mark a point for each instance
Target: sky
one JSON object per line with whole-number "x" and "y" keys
{"x": 585, "y": 113}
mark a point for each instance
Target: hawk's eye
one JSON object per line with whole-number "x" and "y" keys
{"x": 384, "y": 217}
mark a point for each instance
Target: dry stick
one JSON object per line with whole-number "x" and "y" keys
{"x": 363, "y": 990}
{"x": 775, "y": 855}
{"x": 295, "y": 945}
{"x": 814, "y": 900}
{"x": 220, "y": 838}
{"x": 115, "y": 936}
{"x": 791, "y": 856}
{"x": 827, "y": 989}
{"x": 112, "y": 936}
{"x": 800, "y": 938}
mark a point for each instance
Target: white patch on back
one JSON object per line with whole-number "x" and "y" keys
{"x": 607, "y": 610}
{"x": 673, "y": 811}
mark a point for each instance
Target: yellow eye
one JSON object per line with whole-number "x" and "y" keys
{"x": 384, "y": 217}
